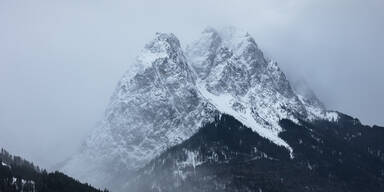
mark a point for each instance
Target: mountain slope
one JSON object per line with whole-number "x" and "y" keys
{"x": 153, "y": 107}
{"x": 17, "y": 174}
{"x": 237, "y": 78}
{"x": 226, "y": 156}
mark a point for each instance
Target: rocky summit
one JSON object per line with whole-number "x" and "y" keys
{"x": 220, "y": 116}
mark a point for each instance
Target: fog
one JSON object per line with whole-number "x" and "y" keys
{"x": 61, "y": 60}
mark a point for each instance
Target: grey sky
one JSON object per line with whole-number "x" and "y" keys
{"x": 61, "y": 60}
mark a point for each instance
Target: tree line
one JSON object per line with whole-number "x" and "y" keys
{"x": 20, "y": 175}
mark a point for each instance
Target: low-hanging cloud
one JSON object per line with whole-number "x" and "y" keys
{"x": 60, "y": 60}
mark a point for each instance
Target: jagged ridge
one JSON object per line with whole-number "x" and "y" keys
{"x": 166, "y": 97}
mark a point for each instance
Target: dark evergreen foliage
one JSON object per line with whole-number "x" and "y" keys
{"x": 328, "y": 156}
{"x": 17, "y": 174}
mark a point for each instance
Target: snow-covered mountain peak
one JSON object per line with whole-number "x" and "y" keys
{"x": 164, "y": 45}
{"x": 233, "y": 37}
{"x": 229, "y": 61}
{"x": 164, "y": 42}
{"x": 168, "y": 94}
{"x": 222, "y": 44}
{"x": 202, "y": 52}
{"x": 238, "y": 80}
{"x": 152, "y": 109}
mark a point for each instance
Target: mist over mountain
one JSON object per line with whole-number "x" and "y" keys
{"x": 60, "y": 60}
{"x": 220, "y": 104}
{"x": 92, "y": 94}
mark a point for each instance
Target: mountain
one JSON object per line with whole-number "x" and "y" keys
{"x": 17, "y": 175}
{"x": 155, "y": 105}
{"x": 216, "y": 116}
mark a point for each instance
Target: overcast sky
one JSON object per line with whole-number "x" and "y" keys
{"x": 61, "y": 60}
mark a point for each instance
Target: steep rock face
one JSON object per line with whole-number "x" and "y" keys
{"x": 236, "y": 77}
{"x": 154, "y": 107}
{"x": 159, "y": 106}
{"x": 166, "y": 97}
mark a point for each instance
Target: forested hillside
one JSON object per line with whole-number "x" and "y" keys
{"x": 18, "y": 174}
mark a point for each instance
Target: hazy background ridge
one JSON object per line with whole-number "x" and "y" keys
{"x": 61, "y": 60}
